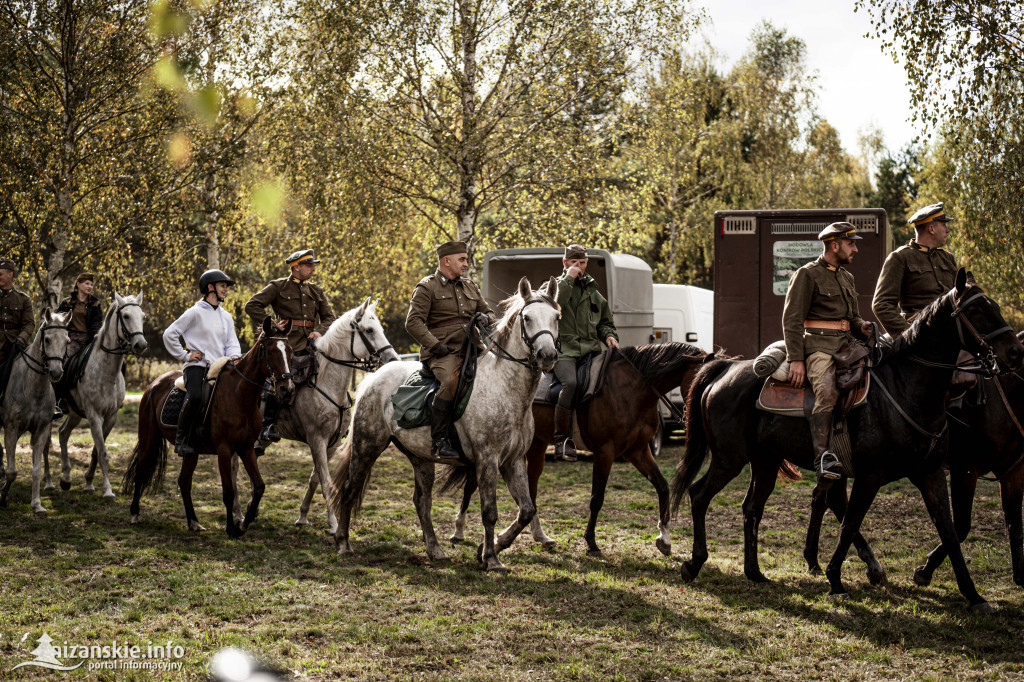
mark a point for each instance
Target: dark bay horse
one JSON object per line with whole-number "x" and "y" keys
{"x": 234, "y": 424}
{"x": 892, "y": 438}
{"x": 619, "y": 421}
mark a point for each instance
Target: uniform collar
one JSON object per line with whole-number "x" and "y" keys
{"x": 295, "y": 280}
{"x": 444, "y": 280}
{"x": 828, "y": 266}
{"x": 918, "y": 247}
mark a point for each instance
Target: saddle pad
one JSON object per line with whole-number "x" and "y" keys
{"x": 171, "y": 408}
{"x": 76, "y": 366}
{"x": 781, "y": 397}
{"x": 412, "y": 400}
{"x": 589, "y": 379}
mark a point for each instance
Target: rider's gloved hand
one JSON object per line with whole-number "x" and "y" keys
{"x": 440, "y": 349}
{"x": 19, "y": 344}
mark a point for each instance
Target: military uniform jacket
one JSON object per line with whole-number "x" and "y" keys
{"x": 440, "y": 309}
{"x": 16, "y": 319}
{"x": 296, "y": 301}
{"x": 85, "y": 317}
{"x": 912, "y": 277}
{"x": 819, "y": 291}
{"x": 586, "y": 317}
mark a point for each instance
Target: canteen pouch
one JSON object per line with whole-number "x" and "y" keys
{"x": 851, "y": 363}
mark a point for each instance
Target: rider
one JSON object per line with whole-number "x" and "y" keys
{"x": 586, "y": 321}
{"x": 16, "y": 320}
{"x": 820, "y": 313}
{"x": 917, "y": 273}
{"x": 86, "y": 321}
{"x": 203, "y": 333}
{"x": 441, "y": 306}
{"x": 306, "y": 305}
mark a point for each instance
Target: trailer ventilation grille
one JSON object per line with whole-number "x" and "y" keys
{"x": 864, "y": 223}
{"x": 739, "y": 225}
{"x": 798, "y": 228}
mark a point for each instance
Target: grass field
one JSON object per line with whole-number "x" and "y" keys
{"x": 86, "y": 577}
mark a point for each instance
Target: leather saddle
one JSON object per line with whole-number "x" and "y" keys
{"x": 589, "y": 379}
{"x": 170, "y": 408}
{"x": 303, "y": 367}
{"x": 852, "y": 381}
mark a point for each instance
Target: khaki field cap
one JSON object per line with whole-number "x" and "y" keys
{"x": 8, "y": 264}
{"x": 451, "y": 249}
{"x": 301, "y": 257}
{"x": 929, "y": 214}
{"x": 575, "y": 252}
{"x": 842, "y": 230}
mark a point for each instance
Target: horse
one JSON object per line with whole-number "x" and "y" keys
{"x": 317, "y": 416}
{"x": 99, "y": 394}
{"x": 494, "y": 430}
{"x": 619, "y": 421}
{"x": 29, "y": 400}
{"x": 889, "y": 441}
{"x": 234, "y": 419}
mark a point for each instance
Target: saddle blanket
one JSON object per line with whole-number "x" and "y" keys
{"x": 589, "y": 379}
{"x": 781, "y": 397}
{"x": 412, "y": 400}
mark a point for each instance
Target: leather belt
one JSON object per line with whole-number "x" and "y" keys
{"x": 301, "y": 323}
{"x": 10, "y": 325}
{"x": 835, "y": 325}
{"x": 449, "y": 323}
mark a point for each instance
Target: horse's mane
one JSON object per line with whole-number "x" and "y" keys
{"x": 924, "y": 320}
{"x": 654, "y": 359}
{"x": 513, "y": 307}
{"x": 341, "y": 324}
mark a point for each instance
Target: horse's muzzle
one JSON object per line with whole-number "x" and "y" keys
{"x": 140, "y": 346}
{"x": 389, "y": 356}
{"x": 546, "y": 358}
{"x": 55, "y": 371}
{"x": 285, "y": 389}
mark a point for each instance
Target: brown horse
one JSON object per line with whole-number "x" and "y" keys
{"x": 619, "y": 421}
{"x": 234, "y": 423}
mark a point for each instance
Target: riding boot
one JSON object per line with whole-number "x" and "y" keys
{"x": 826, "y": 464}
{"x": 564, "y": 447}
{"x": 268, "y": 435}
{"x": 60, "y": 410}
{"x": 183, "y": 437}
{"x": 441, "y": 447}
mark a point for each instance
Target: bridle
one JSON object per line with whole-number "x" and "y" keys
{"x": 985, "y": 356}
{"x": 39, "y": 367}
{"x": 367, "y": 365}
{"x": 124, "y": 335}
{"x": 263, "y": 364}
{"x": 530, "y": 341}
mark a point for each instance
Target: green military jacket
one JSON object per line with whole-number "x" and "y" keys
{"x": 440, "y": 309}
{"x": 300, "y": 302}
{"x": 586, "y": 317}
{"x": 912, "y": 277}
{"x": 16, "y": 319}
{"x": 819, "y": 291}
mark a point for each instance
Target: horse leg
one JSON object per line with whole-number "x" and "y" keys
{"x": 487, "y": 479}
{"x": 422, "y": 498}
{"x": 534, "y": 468}
{"x": 643, "y": 460}
{"x": 514, "y": 473}
{"x": 962, "y": 489}
{"x": 864, "y": 490}
{"x": 229, "y": 489}
{"x": 762, "y": 483}
{"x": 459, "y": 535}
{"x": 702, "y": 492}
{"x": 318, "y": 447}
{"x": 64, "y": 436}
{"x": 236, "y": 504}
{"x": 819, "y": 504}
{"x": 837, "y": 501}
{"x": 603, "y": 460}
{"x": 1011, "y": 491}
{"x": 100, "y": 428}
{"x": 361, "y": 459}
{"x": 47, "y": 482}
{"x": 188, "y": 467}
{"x": 307, "y": 500}
{"x": 11, "y": 441}
{"x": 252, "y": 468}
{"x": 39, "y": 442}
{"x": 936, "y": 497}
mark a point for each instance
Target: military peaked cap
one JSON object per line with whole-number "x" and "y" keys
{"x": 301, "y": 257}
{"x": 451, "y": 248}
{"x": 575, "y": 252}
{"x": 843, "y": 230}
{"x": 8, "y": 264}
{"x": 929, "y": 214}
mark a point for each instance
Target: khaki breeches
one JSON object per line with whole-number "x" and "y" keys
{"x": 821, "y": 372}
{"x": 446, "y": 370}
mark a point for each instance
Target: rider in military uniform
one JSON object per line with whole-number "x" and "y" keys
{"x": 85, "y": 322}
{"x": 915, "y": 274}
{"x": 441, "y": 306}
{"x": 820, "y": 313}
{"x": 16, "y": 320}
{"x": 297, "y": 299}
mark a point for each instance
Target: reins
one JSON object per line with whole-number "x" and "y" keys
{"x": 124, "y": 346}
{"x": 987, "y": 364}
{"x": 37, "y": 366}
{"x": 662, "y": 398}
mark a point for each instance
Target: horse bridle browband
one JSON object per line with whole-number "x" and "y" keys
{"x": 124, "y": 345}
{"x": 530, "y": 362}
{"x": 39, "y": 367}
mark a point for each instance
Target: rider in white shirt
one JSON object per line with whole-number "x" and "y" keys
{"x": 203, "y": 333}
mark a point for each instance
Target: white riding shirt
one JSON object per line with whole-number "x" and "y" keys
{"x": 205, "y": 328}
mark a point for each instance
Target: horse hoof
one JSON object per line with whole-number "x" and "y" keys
{"x": 983, "y": 609}
{"x": 235, "y": 533}
{"x": 548, "y": 544}
{"x": 65, "y": 485}
{"x": 439, "y": 558}
{"x": 687, "y": 574}
{"x": 878, "y": 578}
{"x": 134, "y": 520}
{"x": 759, "y": 579}
{"x": 301, "y": 522}
{"x": 663, "y": 547}
{"x": 345, "y": 551}
{"x": 39, "y": 511}
{"x": 839, "y": 596}
{"x": 456, "y": 540}
{"x": 109, "y": 496}
{"x": 496, "y": 567}
{"x": 48, "y": 486}
{"x": 195, "y": 527}
{"x": 814, "y": 570}
{"x": 921, "y": 579}
{"x": 596, "y": 554}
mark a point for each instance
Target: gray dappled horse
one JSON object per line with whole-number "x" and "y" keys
{"x": 100, "y": 392}
{"x": 29, "y": 401}
{"x": 318, "y": 416}
{"x": 494, "y": 432}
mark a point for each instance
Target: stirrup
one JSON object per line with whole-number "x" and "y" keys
{"x": 442, "y": 449}
{"x": 268, "y": 435}
{"x": 566, "y": 449}
{"x": 829, "y": 467}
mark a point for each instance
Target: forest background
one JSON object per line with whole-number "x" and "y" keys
{"x": 149, "y": 141}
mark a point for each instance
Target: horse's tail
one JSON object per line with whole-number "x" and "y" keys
{"x": 696, "y": 436}
{"x": 789, "y": 472}
{"x": 457, "y": 478}
{"x": 340, "y": 475}
{"x": 149, "y": 457}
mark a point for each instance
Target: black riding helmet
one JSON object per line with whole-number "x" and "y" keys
{"x": 212, "y": 277}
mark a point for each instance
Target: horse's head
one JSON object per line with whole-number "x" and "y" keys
{"x": 130, "y": 318}
{"x": 368, "y": 339}
{"x": 538, "y": 323}
{"x": 53, "y": 342}
{"x": 275, "y": 357}
{"x": 982, "y": 330}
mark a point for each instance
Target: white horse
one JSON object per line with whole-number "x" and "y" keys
{"x": 318, "y": 417}
{"x": 494, "y": 432}
{"x": 29, "y": 401}
{"x": 100, "y": 392}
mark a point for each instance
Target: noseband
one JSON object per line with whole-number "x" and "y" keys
{"x": 530, "y": 341}
{"x": 124, "y": 335}
{"x": 39, "y": 367}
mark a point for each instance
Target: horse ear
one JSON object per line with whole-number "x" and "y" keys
{"x": 525, "y": 290}
{"x": 970, "y": 278}
{"x": 138, "y": 298}
{"x": 552, "y": 287}
{"x": 961, "y": 281}
{"x": 362, "y": 307}
{"x": 118, "y": 299}
{"x": 268, "y": 326}
{"x": 286, "y": 327}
